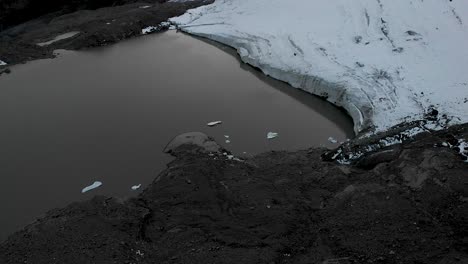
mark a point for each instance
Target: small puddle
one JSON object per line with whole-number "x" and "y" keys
{"x": 107, "y": 113}
{"x": 59, "y": 37}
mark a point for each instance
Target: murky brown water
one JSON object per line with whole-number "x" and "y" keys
{"x": 107, "y": 113}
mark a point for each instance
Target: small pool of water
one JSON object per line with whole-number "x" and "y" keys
{"x": 107, "y": 113}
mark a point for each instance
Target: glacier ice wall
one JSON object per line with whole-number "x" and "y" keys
{"x": 385, "y": 62}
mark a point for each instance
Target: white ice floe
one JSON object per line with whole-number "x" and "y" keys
{"x": 272, "y": 135}
{"x": 2, "y": 63}
{"x": 144, "y": 7}
{"x": 59, "y": 37}
{"x": 92, "y": 186}
{"x": 226, "y": 136}
{"x": 332, "y": 140}
{"x": 214, "y": 123}
{"x": 228, "y": 141}
{"x": 385, "y": 62}
{"x": 136, "y": 187}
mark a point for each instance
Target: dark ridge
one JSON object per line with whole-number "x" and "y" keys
{"x": 14, "y": 12}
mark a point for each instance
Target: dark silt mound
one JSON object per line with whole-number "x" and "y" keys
{"x": 278, "y": 207}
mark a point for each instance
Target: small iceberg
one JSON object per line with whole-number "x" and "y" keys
{"x": 214, "y": 123}
{"x": 92, "y": 186}
{"x": 136, "y": 187}
{"x": 272, "y": 135}
{"x": 332, "y": 140}
{"x": 2, "y": 63}
{"x": 228, "y": 141}
{"x": 144, "y": 7}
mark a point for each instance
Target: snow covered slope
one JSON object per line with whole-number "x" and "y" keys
{"x": 384, "y": 61}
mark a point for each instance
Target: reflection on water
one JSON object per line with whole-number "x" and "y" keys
{"x": 107, "y": 113}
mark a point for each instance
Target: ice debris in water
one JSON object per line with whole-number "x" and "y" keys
{"x": 144, "y": 7}
{"x": 2, "y": 63}
{"x": 92, "y": 186}
{"x": 463, "y": 146}
{"x": 214, "y": 123}
{"x": 272, "y": 135}
{"x": 332, "y": 140}
{"x": 226, "y": 136}
{"x": 136, "y": 187}
{"x": 228, "y": 141}
{"x": 151, "y": 29}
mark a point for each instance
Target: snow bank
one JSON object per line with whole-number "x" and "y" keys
{"x": 385, "y": 62}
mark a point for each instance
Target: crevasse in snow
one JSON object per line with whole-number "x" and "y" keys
{"x": 385, "y": 62}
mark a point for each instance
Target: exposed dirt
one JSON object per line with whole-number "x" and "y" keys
{"x": 278, "y": 207}
{"x": 99, "y": 27}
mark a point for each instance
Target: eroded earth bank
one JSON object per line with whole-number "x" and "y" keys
{"x": 406, "y": 204}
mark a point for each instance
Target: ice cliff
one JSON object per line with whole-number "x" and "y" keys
{"x": 384, "y": 61}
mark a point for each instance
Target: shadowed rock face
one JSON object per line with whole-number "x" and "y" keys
{"x": 278, "y": 207}
{"x": 13, "y": 12}
{"x": 111, "y": 21}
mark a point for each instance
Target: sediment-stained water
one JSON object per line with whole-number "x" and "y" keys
{"x": 107, "y": 113}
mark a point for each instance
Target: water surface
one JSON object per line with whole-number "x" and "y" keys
{"x": 106, "y": 114}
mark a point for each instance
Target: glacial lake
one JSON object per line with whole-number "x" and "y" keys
{"x": 106, "y": 114}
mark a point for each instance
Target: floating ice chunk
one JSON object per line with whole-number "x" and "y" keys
{"x": 214, "y": 123}
{"x": 228, "y": 141}
{"x": 92, "y": 186}
{"x": 226, "y": 136}
{"x": 272, "y": 135}
{"x": 144, "y": 7}
{"x": 136, "y": 187}
{"x": 332, "y": 140}
{"x": 59, "y": 37}
{"x": 230, "y": 157}
{"x": 2, "y": 63}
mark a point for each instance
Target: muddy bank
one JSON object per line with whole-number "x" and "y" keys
{"x": 278, "y": 207}
{"x": 108, "y": 22}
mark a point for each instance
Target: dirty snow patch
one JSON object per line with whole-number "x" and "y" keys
{"x": 152, "y": 29}
{"x": 59, "y": 37}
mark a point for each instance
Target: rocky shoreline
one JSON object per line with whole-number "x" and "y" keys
{"x": 277, "y": 207}
{"x": 404, "y": 202}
